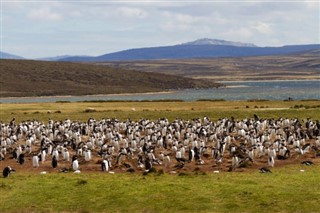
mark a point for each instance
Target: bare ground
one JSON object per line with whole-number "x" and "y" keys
{"x": 209, "y": 166}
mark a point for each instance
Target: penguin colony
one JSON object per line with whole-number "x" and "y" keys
{"x": 226, "y": 144}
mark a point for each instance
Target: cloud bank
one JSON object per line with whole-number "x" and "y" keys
{"x": 48, "y": 28}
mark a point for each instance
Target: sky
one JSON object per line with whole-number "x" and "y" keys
{"x": 44, "y": 28}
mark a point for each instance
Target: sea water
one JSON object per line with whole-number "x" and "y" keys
{"x": 236, "y": 90}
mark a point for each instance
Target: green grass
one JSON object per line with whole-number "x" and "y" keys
{"x": 154, "y": 110}
{"x": 285, "y": 190}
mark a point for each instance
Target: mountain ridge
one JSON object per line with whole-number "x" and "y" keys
{"x": 208, "y": 41}
{"x": 199, "y": 48}
{"x": 193, "y": 51}
{"x": 5, "y": 55}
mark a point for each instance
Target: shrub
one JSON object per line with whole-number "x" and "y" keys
{"x": 90, "y": 110}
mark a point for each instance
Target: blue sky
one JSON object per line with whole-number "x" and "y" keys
{"x": 44, "y": 28}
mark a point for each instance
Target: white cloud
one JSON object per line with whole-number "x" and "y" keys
{"x": 262, "y": 27}
{"x": 180, "y": 22}
{"x": 130, "y": 12}
{"x": 44, "y": 14}
{"x": 104, "y": 26}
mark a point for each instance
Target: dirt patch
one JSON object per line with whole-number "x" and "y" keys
{"x": 209, "y": 165}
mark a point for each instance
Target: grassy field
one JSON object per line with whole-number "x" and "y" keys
{"x": 153, "y": 110}
{"x": 285, "y": 190}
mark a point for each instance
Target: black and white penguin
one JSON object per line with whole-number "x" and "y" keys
{"x": 265, "y": 170}
{"x": 148, "y": 165}
{"x": 75, "y": 164}
{"x": 54, "y": 162}
{"x": 21, "y": 159}
{"x": 6, "y": 171}
{"x": 105, "y": 165}
{"x": 35, "y": 160}
{"x": 307, "y": 162}
{"x": 191, "y": 155}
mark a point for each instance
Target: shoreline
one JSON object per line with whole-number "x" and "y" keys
{"x": 287, "y": 80}
{"x": 97, "y": 95}
{"x": 144, "y": 95}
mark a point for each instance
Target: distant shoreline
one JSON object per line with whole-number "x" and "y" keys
{"x": 97, "y": 95}
{"x": 227, "y": 85}
{"x": 282, "y": 80}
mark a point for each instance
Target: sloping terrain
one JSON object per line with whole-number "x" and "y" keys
{"x": 304, "y": 65}
{"x": 4, "y": 55}
{"x": 185, "y": 51}
{"x": 36, "y": 78}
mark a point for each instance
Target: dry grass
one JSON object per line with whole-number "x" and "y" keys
{"x": 286, "y": 67}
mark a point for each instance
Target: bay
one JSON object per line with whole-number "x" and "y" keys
{"x": 236, "y": 90}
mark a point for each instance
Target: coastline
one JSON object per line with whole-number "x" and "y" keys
{"x": 97, "y": 95}
{"x": 233, "y": 90}
{"x": 279, "y": 80}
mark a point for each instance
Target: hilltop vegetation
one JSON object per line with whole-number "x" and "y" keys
{"x": 38, "y": 78}
{"x": 304, "y": 65}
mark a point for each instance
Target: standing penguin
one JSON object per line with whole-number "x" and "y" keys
{"x": 35, "y": 160}
{"x": 21, "y": 159}
{"x": 6, "y": 171}
{"x": 75, "y": 164}
{"x": 54, "y": 162}
{"x": 105, "y": 165}
{"x": 148, "y": 165}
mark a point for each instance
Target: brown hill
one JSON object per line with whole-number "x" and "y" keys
{"x": 305, "y": 65}
{"x": 38, "y": 78}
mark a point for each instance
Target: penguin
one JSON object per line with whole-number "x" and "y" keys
{"x": 66, "y": 155}
{"x": 87, "y": 155}
{"x": 75, "y": 165}
{"x": 105, "y": 165}
{"x": 271, "y": 161}
{"x": 166, "y": 161}
{"x": 265, "y": 170}
{"x": 43, "y": 155}
{"x": 6, "y": 171}
{"x": 307, "y": 163}
{"x": 21, "y": 159}
{"x": 54, "y": 162}
{"x": 35, "y": 160}
{"x": 148, "y": 165}
{"x": 191, "y": 155}
{"x": 14, "y": 154}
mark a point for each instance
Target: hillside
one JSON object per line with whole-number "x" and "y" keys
{"x": 37, "y": 78}
{"x": 4, "y": 55}
{"x": 202, "y": 48}
{"x": 304, "y": 65}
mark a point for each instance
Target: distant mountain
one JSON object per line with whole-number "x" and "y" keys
{"x": 61, "y": 57}
{"x": 208, "y": 41}
{"x": 4, "y": 55}
{"x": 201, "y": 48}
